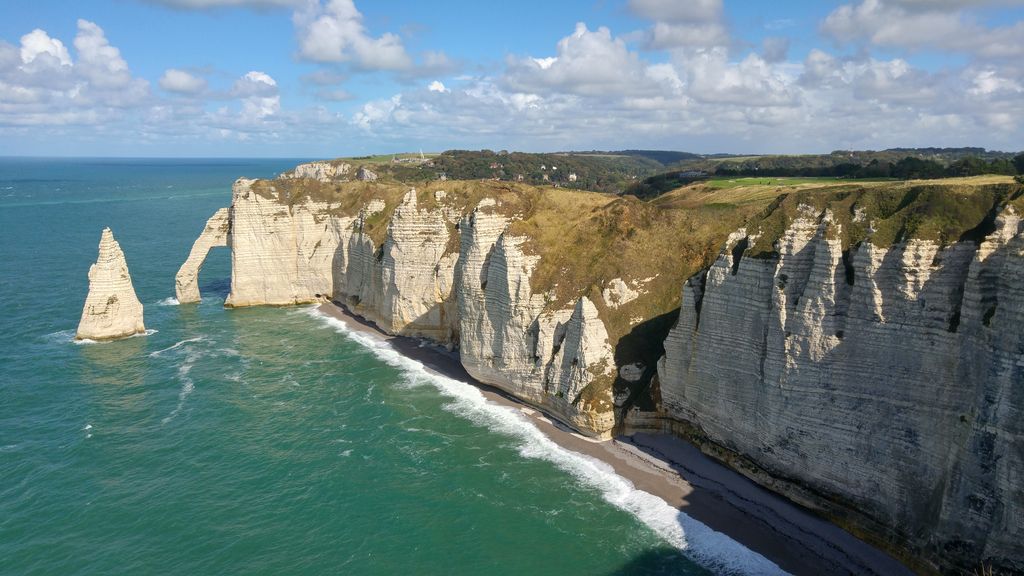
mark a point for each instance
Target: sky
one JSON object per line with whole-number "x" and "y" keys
{"x": 329, "y": 78}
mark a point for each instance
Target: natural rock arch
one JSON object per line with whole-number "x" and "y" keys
{"x": 216, "y": 233}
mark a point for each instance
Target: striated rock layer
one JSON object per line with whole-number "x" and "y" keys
{"x": 112, "y": 310}
{"x": 320, "y": 171}
{"x": 456, "y": 280}
{"x": 884, "y": 387}
{"x": 281, "y": 253}
{"x": 509, "y": 340}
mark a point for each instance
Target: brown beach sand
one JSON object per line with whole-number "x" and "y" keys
{"x": 674, "y": 470}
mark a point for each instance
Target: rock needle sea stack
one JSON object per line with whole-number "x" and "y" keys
{"x": 112, "y": 310}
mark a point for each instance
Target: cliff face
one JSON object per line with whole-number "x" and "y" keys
{"x": 508, "y": 338}
{"x": 281, "y": 253}
{"x": 883, "y": 386}
{"x": 856, "y": 348}
{"x": 320, "y": 171}
{"x": 112, "y": 310}
{"x": 439, "y": 274}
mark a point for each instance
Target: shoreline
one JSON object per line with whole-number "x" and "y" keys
{"x": 675, "y": 471}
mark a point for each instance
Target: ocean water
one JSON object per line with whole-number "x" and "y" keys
{"x": 265, "y": 440}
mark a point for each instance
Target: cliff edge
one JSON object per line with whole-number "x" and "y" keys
{"x": 856, "y": 347}
{"x": 877, "y": 381}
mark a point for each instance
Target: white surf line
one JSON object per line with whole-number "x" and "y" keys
{"x": 711, "y": 549}
{"x": 187, "y": 385}
{"x": 176, "y": 345}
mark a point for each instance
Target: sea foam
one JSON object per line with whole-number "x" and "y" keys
{"x": 191, "y": 356}
{"x": 707, "y": 547}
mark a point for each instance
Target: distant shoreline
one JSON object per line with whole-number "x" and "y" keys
{"x": 675, "y": 471}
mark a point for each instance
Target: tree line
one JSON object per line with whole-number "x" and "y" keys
{"x": 907, "y": 168}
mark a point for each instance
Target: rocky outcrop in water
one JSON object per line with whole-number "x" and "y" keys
{"x": 216, "y": 233}
{"x": 882, "y": 386}
{"x": 112, "y": 310}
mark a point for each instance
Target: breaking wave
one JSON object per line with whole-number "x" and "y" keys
{"x": 711, "y": 549}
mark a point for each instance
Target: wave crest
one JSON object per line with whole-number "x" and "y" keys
{"x": 696, "y": 540}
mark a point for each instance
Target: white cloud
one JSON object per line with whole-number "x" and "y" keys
{"x": 181, "y": 82}
{"x": 437, "y": 86}
{"x": 258, "y": 93}
{"x": 753, "y": 81}
{"x": 775, "y": 49}
{"x": 676, "y": 11}
{"x": 38, "y": 42}
{"x": 943, "y": 25}
{"x": 335, "y": 33}
{"x": 98, "y": 61}
{"x": 664, "y": 35}
{"x": 594, "y": 92}
{"x": 586, "y": 62}
{"x": 682, "y": 24}
{"x": 41, "y": 84}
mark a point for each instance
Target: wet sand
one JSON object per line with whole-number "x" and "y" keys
{"x": 677, "y": 472}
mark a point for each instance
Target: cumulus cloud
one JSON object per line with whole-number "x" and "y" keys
{"x": 334, "y": 32}
{"x": 49, "y": 92}
{"x": 682, "y": 24}
{"x": 775, "y": 49}
{"x": 675, "y": 11}
{"x": 42, "y": 84}
{"x": 596, "y": 92}
{"x": 586, "y": 62}
{"x": 258, "y": 93}
{"x": 98, "y": 61}
{"x": 38, "y": 42}
{"x": 943, "y": 25}
{"x": 182, "y": 82}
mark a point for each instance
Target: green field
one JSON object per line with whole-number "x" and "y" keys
{"x": 725, "y": 182}
{"x": 412, "y": 157}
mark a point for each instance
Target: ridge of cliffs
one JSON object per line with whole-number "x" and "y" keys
{"x": 868, "y": 364}
{"x": 855, "y": 347}
{"x": 111, "y": 310}
{"x": 436, "y": 264}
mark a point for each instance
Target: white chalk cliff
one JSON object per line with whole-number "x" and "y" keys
{"x": 884, "y": 387}
{"x": 509, "y": 339}
{"x": 473, "y": 293}
{"x": 112, "y": 310}
{"x": 881, "y": 386}
{"x": 216, "y": 233}
{"x": 319, "y": 170}
{"x": 281, "y": 253}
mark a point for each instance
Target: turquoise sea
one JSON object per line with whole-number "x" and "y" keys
{"x": 265, "y": 440}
